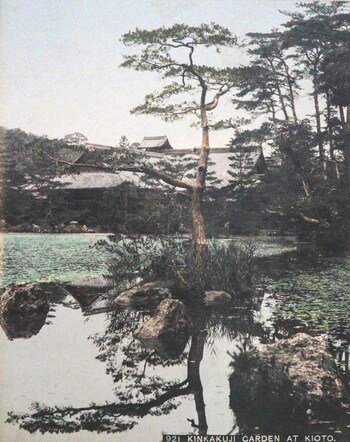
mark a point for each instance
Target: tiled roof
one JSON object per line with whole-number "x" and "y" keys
{"x": 153, "y": 142}
{"x": 69, "y": 154}
{"x": 95, "y": 180}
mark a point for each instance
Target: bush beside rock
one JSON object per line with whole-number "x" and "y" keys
{"x": 288, "y": 380}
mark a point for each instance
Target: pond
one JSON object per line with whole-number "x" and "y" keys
{"x": 92, "y": 375}
{"x": 31, "y": 257}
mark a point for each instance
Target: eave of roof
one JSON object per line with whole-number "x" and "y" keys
{"x": 153, "y": 142}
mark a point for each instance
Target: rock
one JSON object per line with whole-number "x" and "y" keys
{"x": 288, "y": 380}
{"x": 22, "y": 228}
{"x": 183, "y": 230}
{"x": 143, "y": 295}
{"x": 60, "y": 228}
{"x": 170, "y": 319}
{"x": 212, "y": 298}
{"x": 96, "y": 282}
{"x": 36, "y": 228}
{"x": 87, "y": 290}
{"x": 23, "y": 310}
{"x": 73, "y": 228}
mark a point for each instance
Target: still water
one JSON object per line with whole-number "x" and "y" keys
{"x": 92, "y": 375}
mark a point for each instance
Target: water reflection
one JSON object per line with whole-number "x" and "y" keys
{"x": 139, "y": 390}
{"x": 144, "y": 387}
{"x": 26, "y": 308}
{"x": 23, "y": 311}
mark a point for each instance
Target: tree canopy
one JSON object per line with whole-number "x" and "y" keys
{"x": 171, "y": 52}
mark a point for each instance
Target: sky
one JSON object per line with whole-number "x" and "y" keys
{"x": 60, "y": 64}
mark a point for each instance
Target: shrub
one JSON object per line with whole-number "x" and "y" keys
{"x": 172, "y": 260}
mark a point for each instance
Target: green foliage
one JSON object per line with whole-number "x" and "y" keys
{"x": 297, "y": 142}
{"x": 204, "y": 34}
{"x": 316, "y": 26}
{"x": 173, "y": 261}
{"x": 180, "y": 166}
{"x": 273, "y": 84}
{"x": 230, "y": 268}
{"x": 30, "y": 167}
{"x": 30, "y": 159}
{"x": 246, "y": 146}
{"x": 170, "y": 51}
{"x": 241, "y": 168}
{"x": 335, "y": 74}
{"x": 313, "y": 45}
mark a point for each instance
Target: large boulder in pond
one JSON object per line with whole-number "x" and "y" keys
{"x": 216, "y": 297}
{"x": 143, "y": 295}
{"x": 170, "y": 319}
{"x": 290, "y": 381}
{"x": 23, "y": 310}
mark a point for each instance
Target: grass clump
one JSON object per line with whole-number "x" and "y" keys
{"x": 173, "y": 261}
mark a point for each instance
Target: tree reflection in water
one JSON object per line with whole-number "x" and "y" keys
{"x": 137, "y": 393}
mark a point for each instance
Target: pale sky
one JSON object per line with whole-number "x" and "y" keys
{"x": 59, "y": 63}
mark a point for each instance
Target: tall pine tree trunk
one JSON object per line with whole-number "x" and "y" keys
{"x": 291, "y": 91}
{"x": 346, "y": 180}
{"x": 342, "y": 116}
{"x": 279, "y": 91}
{"x": 198, "y": 227}
{"x": 334, "y": 172}
{"x": 318, "y": 127}
{"x": 347, "y": 147}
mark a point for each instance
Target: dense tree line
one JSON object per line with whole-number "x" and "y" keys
{"x": 305, "y": 64}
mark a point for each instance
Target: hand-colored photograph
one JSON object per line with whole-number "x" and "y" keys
{"x": 174, "y": 221}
